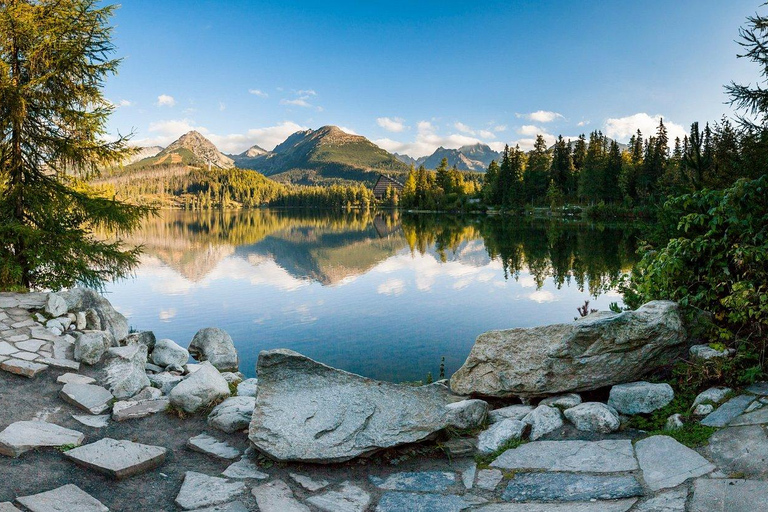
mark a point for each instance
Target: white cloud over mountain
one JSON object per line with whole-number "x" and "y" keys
{"x": 622, "y": 128}
{"x": 391, "y": 124}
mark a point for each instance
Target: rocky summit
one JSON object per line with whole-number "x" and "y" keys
{"x": 599, "y": 350}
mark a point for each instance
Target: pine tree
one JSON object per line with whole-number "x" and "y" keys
{"x": 537, "y": 170}
{"x": 491, "y": 183}
{"x": 55, "y": 56}
{"x": 753, "y": 100}
{"x": 443, "y": 176}
{"x": 561, "y": 171}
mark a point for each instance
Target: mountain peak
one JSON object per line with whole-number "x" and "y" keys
{"x": 203, "y": 149}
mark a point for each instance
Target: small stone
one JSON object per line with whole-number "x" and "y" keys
{"x": 707, "y": 353}
{"x": 65, "y": 498}
{"x": 712, "y": 395}
{"x": 90, "y": 346}
{"x": 759, "y": 388}
{"x": 640, "y": 397}
{"x": 89, "y": 397}
{"x": 124, "y": 371}
{"x": 607, "y": 456}
{"x": 99, "y": 421}
{"x": 583, "y": 506}
{"x": 167, "y": 353}
{"x": 232, "y": 378}
{"x": 460, "y": 446}
{"x": 117, "y": 459}
{"x": 702, "y": 410}
{"x": 74, "y": 378}
{"x": 133, "y": 409}
{"x": 92, "y": 320}
{"x": 232, "y": 414}
{"x": 26, "y": 356}
{"x": 244, "y": 469}
{"x": 498, "y": 434}
{"x": 513, "y": 412}
{"x": 214, "y": 345}
{"x": 200, "y": 389}
{"x": 165, "y": 381}
{"x": 669, "y": 501}
{"x": 753, "y": 407}
{"x": 666, "y": 463}
{"x": 199, "y": 490}
{"x": 674, "y": 422}
{"x": 570, "y": 487}
{"x": 232, "y": 506}
{"x": 562, "y": 402}
{"x": 722, "y": 495}
{"x": 153, "y": 368}
{"x": 23, "y": 436}
{"x": 413, "y": 502}
{"x": 488, "y": 479}
{"x": 80, "y": 321}
{"x": 276, "y": 496}
{"x": 30, "y": 345}
{"x": 211, "y": 446}
{"x": 55, "y": 305}
{"x": 593, "y": 417}
{"x": 308, "y": 483}
{"x": 543, "y": 420}
{"x": 421, "y": 481}
{"x": 468, "y": 475}
{"x": 349, "y": 498}
{"x": 24, "y": 368}
{"x": 758, "y": 417}
{"x": 64, "y": 364}
{"x": 148, "y": 393}
{"x": 6, "y": 349}
{"x": 728, "y": 411}
{"x": 146, "y": 338}
{"x": 248, "y": 387}
{"x": 467, "y": 413}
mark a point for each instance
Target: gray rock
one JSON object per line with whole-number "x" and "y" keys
{"x": 165, "y": 381}
{"x": 488, "y": 479}
{"x": 349, "y": 498}
{"x": 276, "y": 496}
{"x": 467, "y": 413}
{"x": 310, "y": 412}
{"x": 570, "y": 487}
{"x": 722, "y": 495}
{"x": 232, "y": 414}
{"x": 146, "y": 338}
{"x": 607, "y": 456}
{"x": 21, "y": 367}
{"x": 96, "y": 306}
{"x": 90, "y": 346}
{"x": 211, "y": 446}
{"x": 199, "y": 490}
{"x": 759, "y": 388}
{"x": 124, "y": 371}
{"x": 589, "y": 506}
{"x": 514, "y": 412}
{"x": 80, "y": 321}
{"x": 200, "y": 389}
{"x": 543, "y": 420}
{"x": 232, "y": 506}
{"x": 740, "y": 450}
{"x": 6, "y": 506}
{"x": 756, "y": 417}
{"x": 117, "y": 459}
{"x": 707, "y": 353}
{"x": 420, "y": 481}
{"x": 63, "y": 499}
{"x": 757, "y": 404}
{"x": 153, "y": 368}
{"x": 148, "y": 393}
{"x": 640, "y": 397}
{"x": 413, "y": 502}
{"x": 669, "y": 501}
{"x": 468, "y": 475}
{"x": 92, "y": 320}
{"x": 460, "y": 446}
{"x": 244, "y": 469}
{"x": 702, "y": 410}
{"x": 55, "y": 305}
{"x": 499, "y": 433}
{"x": 90, "y": 398}
{"x": 597, "y": 351}
{"x": 562, "y": 402}
{"x": 23, "y": 436}
{"x": 168, "y": 353}
{"x": 308, "y": 483}
{"x": 99, "y": 421}
{"x": 593, "y": 417}
{"x": 724, "y": 414}
{"x": 712, "y": 396}
{"x": 248, "y": 387}
{"x": 666, "y": 463}
{"x": 134, "y": 409}
{"x": 215, "y": 345}
{"x": 232, "y": 377}
{"x": 674, "y": 422}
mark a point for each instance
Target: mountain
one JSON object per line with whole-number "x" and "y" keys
{"x": 191, "y": 149}
{"x": 325, "y": 155}
{"x": 142, "y": 153}
{"x": 407, "y": 160}
{"x": 476, "y": 157}
{"x": 254, "y": 151}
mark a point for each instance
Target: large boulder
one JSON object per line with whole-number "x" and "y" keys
{"x": 215, "y": 345}
{"x": 640, "y": 397}
{"x": 124, "y": 371}
{"x": 90, "y": 346}
{"x": 84, "y": 299}
{"x": 232, "y": 414}
{"x": 141, "y": 338}
{"x": 307, "y": 411}
{"x": 169, "y": 353}
{"x": 55, "y": 305}
{"x": 599, "y": 350}
{"x": 200, "y": 389}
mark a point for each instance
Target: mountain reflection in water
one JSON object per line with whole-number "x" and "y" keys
{"x": 384, "y": 295}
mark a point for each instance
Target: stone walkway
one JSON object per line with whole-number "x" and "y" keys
{"x": 551, "y": 474}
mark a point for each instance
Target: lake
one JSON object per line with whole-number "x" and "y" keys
{"x": 384, "y": 295}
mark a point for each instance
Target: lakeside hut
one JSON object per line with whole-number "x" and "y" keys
{"x": 383, "y": 183}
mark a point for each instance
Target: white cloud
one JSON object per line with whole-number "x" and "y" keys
{"x": 582, "y": 123}
{"x": 391, "y": 124}
{"x": 222, "y": 106}
{"x": 486, "y": 134}
{"x": 530, "y": 130}
{"x": 258, "y": 92}
{"x": 164, "y": 100}
{"x": 500, "y": 128}
{"x": 541, "y": 116}
{"x": 428, "y": 140}
{"x": 302, "y": 100}
{"x": 622, "y": 128}
{"x": 463, "y": 128}
{"x": 298, "y": 102}
{"x": 348, "y": 130}
{"x": 307, "y": 92}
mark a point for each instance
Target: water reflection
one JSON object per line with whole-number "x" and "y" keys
{"x": 384, "y": 295}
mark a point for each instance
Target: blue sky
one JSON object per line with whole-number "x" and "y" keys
{"x": 412, "y": 76}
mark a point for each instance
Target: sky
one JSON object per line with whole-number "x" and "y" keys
{"x": 415, "y": 75}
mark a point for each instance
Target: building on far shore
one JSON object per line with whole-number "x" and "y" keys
{"x": 383, "y": 183}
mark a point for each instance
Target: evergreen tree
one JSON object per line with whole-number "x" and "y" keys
{"x": 443, "y": 176}
{"x": 753, "y": 100}
{"x": 55, "y": 56}
{"x": 491, "y": 183}
{"x": 591, "y": 178}
{"x": 562, "y": 165}
{"x": 537, "y": 170}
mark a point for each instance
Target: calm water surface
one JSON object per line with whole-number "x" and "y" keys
{"x": 385, "y": 296}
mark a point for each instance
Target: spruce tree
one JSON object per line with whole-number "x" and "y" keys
{"x": 55, "y": 56}
{"x": 536, "y": 172}
{"x": 753, "y": 99}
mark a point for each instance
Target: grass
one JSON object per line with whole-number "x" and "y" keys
{"x": 66, "y": 447}
{"x": 692, "y": 435}
{"x": 483, "y": 461}
{"x": 233, "y": 388}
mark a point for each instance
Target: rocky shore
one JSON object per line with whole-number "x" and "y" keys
{"x": 95, "y": 417}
